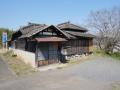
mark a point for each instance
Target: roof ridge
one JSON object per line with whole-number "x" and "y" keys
{"x": 78, "y": 26}
{"x": 68, "y": 22}
{"x": 71, "y": 24}
{"x": 30, "y": 24}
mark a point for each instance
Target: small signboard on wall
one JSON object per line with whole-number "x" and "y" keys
{"x": 4, "y": 39}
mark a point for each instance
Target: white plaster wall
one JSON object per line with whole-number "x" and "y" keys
{"x": 27, "y": 57}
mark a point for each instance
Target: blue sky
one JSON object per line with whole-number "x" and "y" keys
{"x": 15, "y": 13}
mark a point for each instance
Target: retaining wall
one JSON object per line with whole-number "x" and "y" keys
{"x": 27, "y": 57}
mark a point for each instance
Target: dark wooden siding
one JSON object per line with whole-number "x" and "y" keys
{"x": 25, "y": 45}
{"x": 31, "y": 46}
{"x": 20, "y": 44}
{"x": 90, "y": 45}
{"x": 76, "y": 46}
{"x": 48, "y": 33}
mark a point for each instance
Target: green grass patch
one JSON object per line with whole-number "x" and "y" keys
{"x": 16, "y": 64}
{"x": 116, "y": 86}
{"x": 115, "y": 55}
{"x": 99, "y": 52}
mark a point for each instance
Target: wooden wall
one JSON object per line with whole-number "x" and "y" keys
{"x": 31, "y": 46}
{"x": 47, "y": 53}
{"x": 20, "y": 44}
{"x": 90, "y": 45}
{"x": 46, "y": 62}
{"x": 24, "y": 44}
{"x": 78, "y": 46}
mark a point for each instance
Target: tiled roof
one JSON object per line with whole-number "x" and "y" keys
{"x": 68, "y": 25}
{"x": 32, "y": 29}
{"x": 39, "y": 29}
{"x": 80, "y": 34}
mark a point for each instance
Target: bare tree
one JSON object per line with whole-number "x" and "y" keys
{"x": 107, "y": 22}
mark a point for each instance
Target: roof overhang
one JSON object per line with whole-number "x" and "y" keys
{"x": 50, "y": 39}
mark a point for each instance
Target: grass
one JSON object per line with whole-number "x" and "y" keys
{"x": 17, "y": 65}
{"x": 116, "y": 86}
{"x": 115, "y": 55}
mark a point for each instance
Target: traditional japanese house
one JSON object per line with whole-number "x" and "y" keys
{"x": 52, "y": 43}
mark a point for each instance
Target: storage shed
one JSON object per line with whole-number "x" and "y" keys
{"x": 52, "y": 43}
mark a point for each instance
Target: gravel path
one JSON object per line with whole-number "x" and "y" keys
{"x": 101, "y": 69}
{"x": 5, "y": 72}
{"x": 97, "y": 74}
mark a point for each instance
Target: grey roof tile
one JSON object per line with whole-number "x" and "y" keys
{"x": 68, "y": 25}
